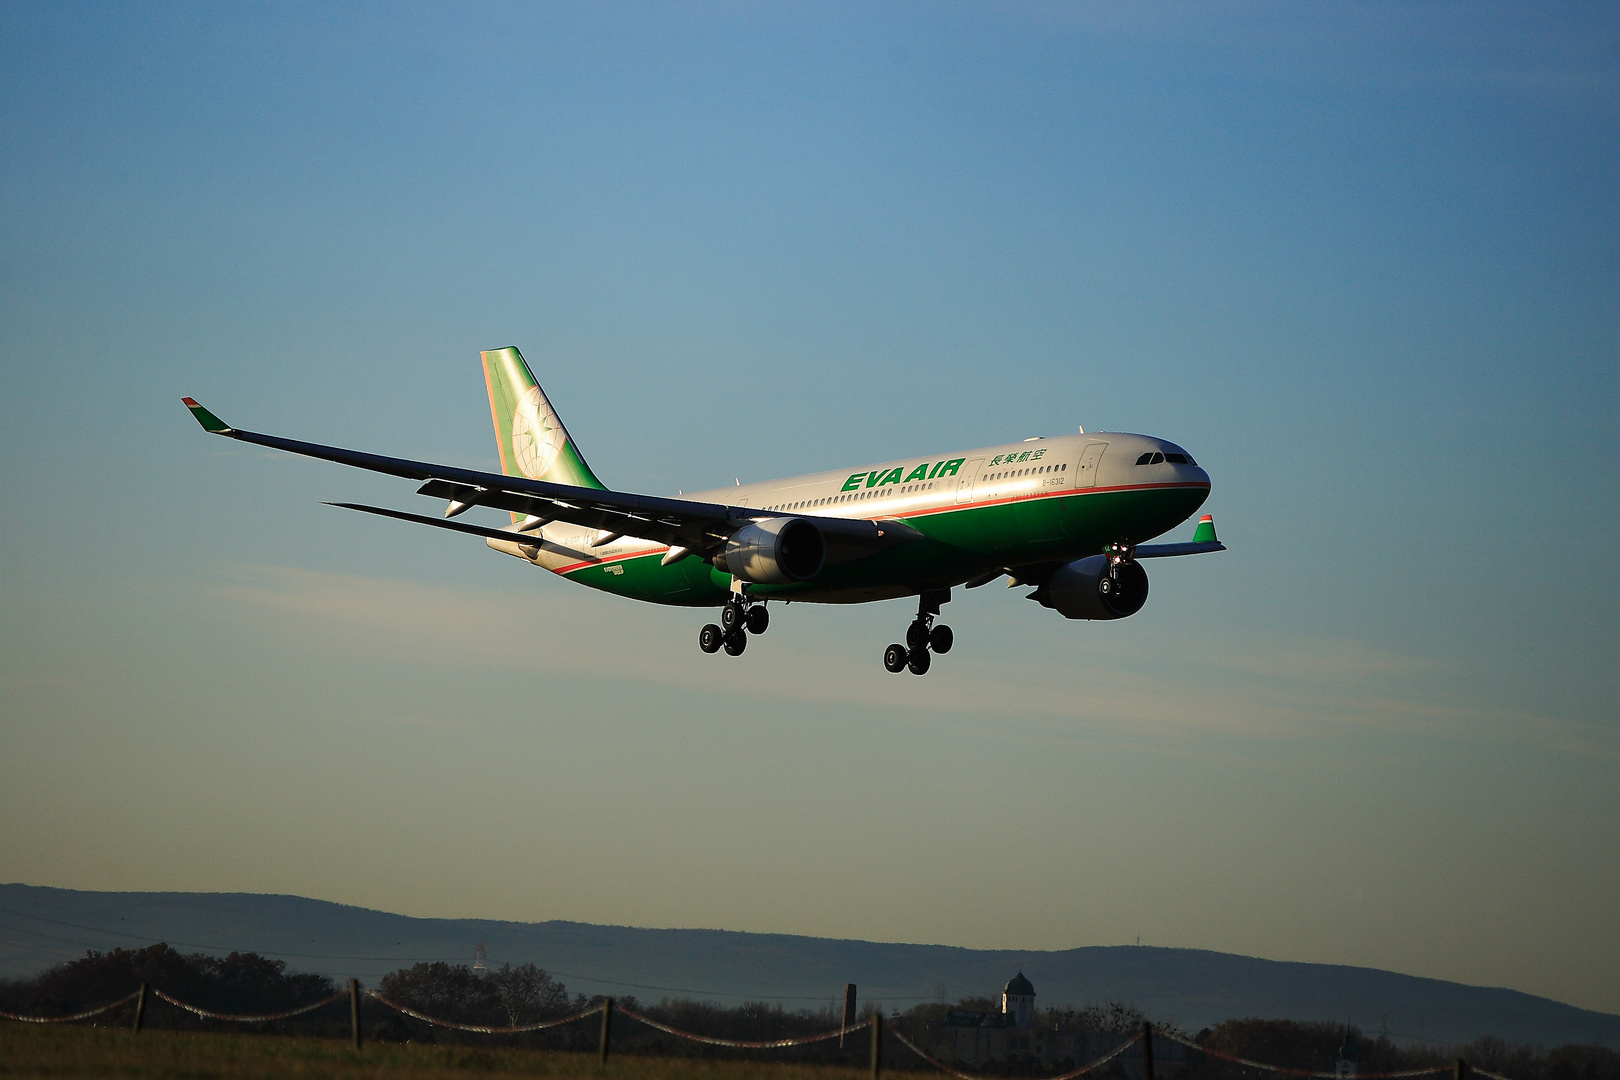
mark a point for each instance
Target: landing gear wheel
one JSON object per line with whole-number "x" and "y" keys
{"x": 894, "y": 658}
{"x": 940, "y": 639}
{"x": 917, "y": 636}
{"x": 709, "y": 638}
{"x": 731, "y": 616}
{"x": 736, "y": 642}
{"x": 758, "y": 619}
{"x": 920, "y": 659}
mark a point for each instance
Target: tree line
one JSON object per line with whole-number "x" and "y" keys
{"x": 510, "y": 996}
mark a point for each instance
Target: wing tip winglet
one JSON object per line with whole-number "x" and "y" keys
{"x": 210, "y": 423}
{"x": 1205, "y": 533}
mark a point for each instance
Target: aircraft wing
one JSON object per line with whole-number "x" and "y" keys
{"x": 700, "y": 527}
{"x": 1192, "y": 547}
{"x": 1203, "y": 541}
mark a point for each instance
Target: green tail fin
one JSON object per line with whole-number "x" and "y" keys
{"x": 530, "y": 435}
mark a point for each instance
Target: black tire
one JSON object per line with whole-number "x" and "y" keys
{"x": 758, "y": 619}
{"x": 940, "y": 639}
{"x": 730, "y": 617}
{"x": 736, "y": 642}
{"x": 709, "y": 638}
{"x": 919, "y": 662}
{"x": 917, "y": 636}
{"x": 894, "y": 658}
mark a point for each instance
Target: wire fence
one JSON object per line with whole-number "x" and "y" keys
{"x": 87, "y": 1014}
{"x": 735, "y": 1044}
{"x": 1285, "y": 1071}
{"x": 1081, "y": 1071}
{"x": 1460, "y": 1069}
{"x": 237, "y": 1018}
{"x": 484, "y": 1029}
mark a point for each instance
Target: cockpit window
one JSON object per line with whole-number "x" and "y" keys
{"x": 1154, "y": 457}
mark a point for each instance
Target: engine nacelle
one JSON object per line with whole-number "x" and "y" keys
{"x": 777, "y": 551}
{"x": 1083, "y": 589}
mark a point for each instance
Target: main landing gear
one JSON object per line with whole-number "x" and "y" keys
{"x": 922, "y": 637}
{"x": 738, "y": 619}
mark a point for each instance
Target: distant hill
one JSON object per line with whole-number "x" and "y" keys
{"x": 41, "y": 926}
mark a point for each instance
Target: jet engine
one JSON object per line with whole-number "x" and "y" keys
{"x": 1084, "y": 589}
{"x": 776, "y": 551}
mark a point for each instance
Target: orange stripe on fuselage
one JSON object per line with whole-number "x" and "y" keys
{"x": 953, "y": 508}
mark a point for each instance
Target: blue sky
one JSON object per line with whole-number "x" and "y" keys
{"x": 1361, "y": 260}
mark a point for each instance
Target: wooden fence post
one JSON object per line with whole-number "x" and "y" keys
{"x": 849, "y": 1013}
{"x": 1147, "y": 1051}
{"x": 607, "y": 1027}
{"x": 354, "y": 1011}
{"x": 1461, "y": 1070}
{"x": 877, "y": 1044}
{"x": 140, "y": 1008}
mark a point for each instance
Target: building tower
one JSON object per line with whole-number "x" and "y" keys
{"x": 478, "y": 960}
{"x": 1018, "y": 1001}
{"x": 1345, "y": 1067}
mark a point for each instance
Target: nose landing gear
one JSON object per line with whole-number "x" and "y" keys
{"x": 739, "y": 618}
{"x": 923, "y": 637}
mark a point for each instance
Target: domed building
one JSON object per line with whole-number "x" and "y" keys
{"x": 972, "y": 1037}
{"x": 1018, "y": 1002}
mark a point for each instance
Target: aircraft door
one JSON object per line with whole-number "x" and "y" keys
{"x": 965, "y": 478}
{"x": 1086, "y": 473}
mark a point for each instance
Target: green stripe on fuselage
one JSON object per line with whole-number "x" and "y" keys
{"x": 959, "y": 543}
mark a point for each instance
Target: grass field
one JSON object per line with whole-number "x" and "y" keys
{"x": 29, "y": 1050}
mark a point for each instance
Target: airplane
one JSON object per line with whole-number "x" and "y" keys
{"x": 1064, "y": 516}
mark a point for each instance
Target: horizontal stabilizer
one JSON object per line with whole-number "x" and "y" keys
{"x": 441, "y": 523}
